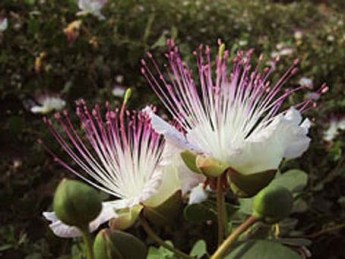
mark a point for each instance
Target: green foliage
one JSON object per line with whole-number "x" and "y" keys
{"x": 200, "y": 212}
{"x": 160, "y": 253}
{"x": 263, "y": 249}
{"x": 199, "y": 249}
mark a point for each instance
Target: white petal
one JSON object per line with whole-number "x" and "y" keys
{"x": 170, "y": 153}
{"x": 3, "y": 24}
{"x": 306, "y": 125}
{"x": 48, "y": 104}
{"x": 169, "y": 185}
{"x": 294, "y": 135}
{"x": 341, "y": 124}
{"x": 99, "y": 15}
{"x": 53, "y": 103}
{"x": 38, "y": 109}
{"x": 257, "y": 156}
{"x": 91, "y": 7}
{"x": 62, "y": 230}
{"x": 188, "y": 179}
{"x": 169, "y": 132}
{"x": 119, "y": 91}
{"x": 293, "y": 115}
{"x": 331, "y": 132}
{"x": 82, "y": 13}
{"x": 152, "y": 189}
{"x": 284, "y": 137}
{"x": 198, "y": 195}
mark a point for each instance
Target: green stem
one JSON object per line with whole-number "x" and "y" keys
{"x": 221, "y": 211}
{"x": 225, "y": 246}
{"x": 160, "y": 241}
{"x": 88, "y": 243}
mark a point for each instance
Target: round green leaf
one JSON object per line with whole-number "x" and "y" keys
{"x": 262, "y": 249}
{"x": 200, "y": 212}
{"x": 294, "y": 180}
{"x": 199, "y": 249}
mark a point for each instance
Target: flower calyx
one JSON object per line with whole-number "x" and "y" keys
{"x": 246, "y": 186}
{"x": 210, "y": 166}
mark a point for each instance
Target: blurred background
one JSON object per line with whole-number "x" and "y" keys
{"x": 46, "y": 50}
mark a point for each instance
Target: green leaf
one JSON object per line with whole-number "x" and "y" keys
{"x": 199, "y": 249}
{"x": 160, "y": 253}
{"x": 16, "y": 124}
{"x": 5, "y": 247}
{"x": 295, "y": 180}
{"x": 295, "y": 241}
{"x": 148, "y": 28}
{"x": 264, "y": 249}
{"x": 154, "y": 253}
{"x": 300, "y": 206}
{"x": 173, "y": 32}
{"x": 34, "y": 256}
{"x": 30, "y": 2}
{"x": 33, "y": 26}
{"x": 246, "y": 206}
{"x": 199, "y": 213}
{"x": 161, "y": 41}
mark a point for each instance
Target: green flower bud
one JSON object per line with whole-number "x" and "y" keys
{"x": 221, "y": 50}
{"x": 76, "y": 204}
{"x": 115, "y": 244}
{"x": 128, "y": 95}
{"x": 210, "y": 166}
{"x": 272, "y": 204}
